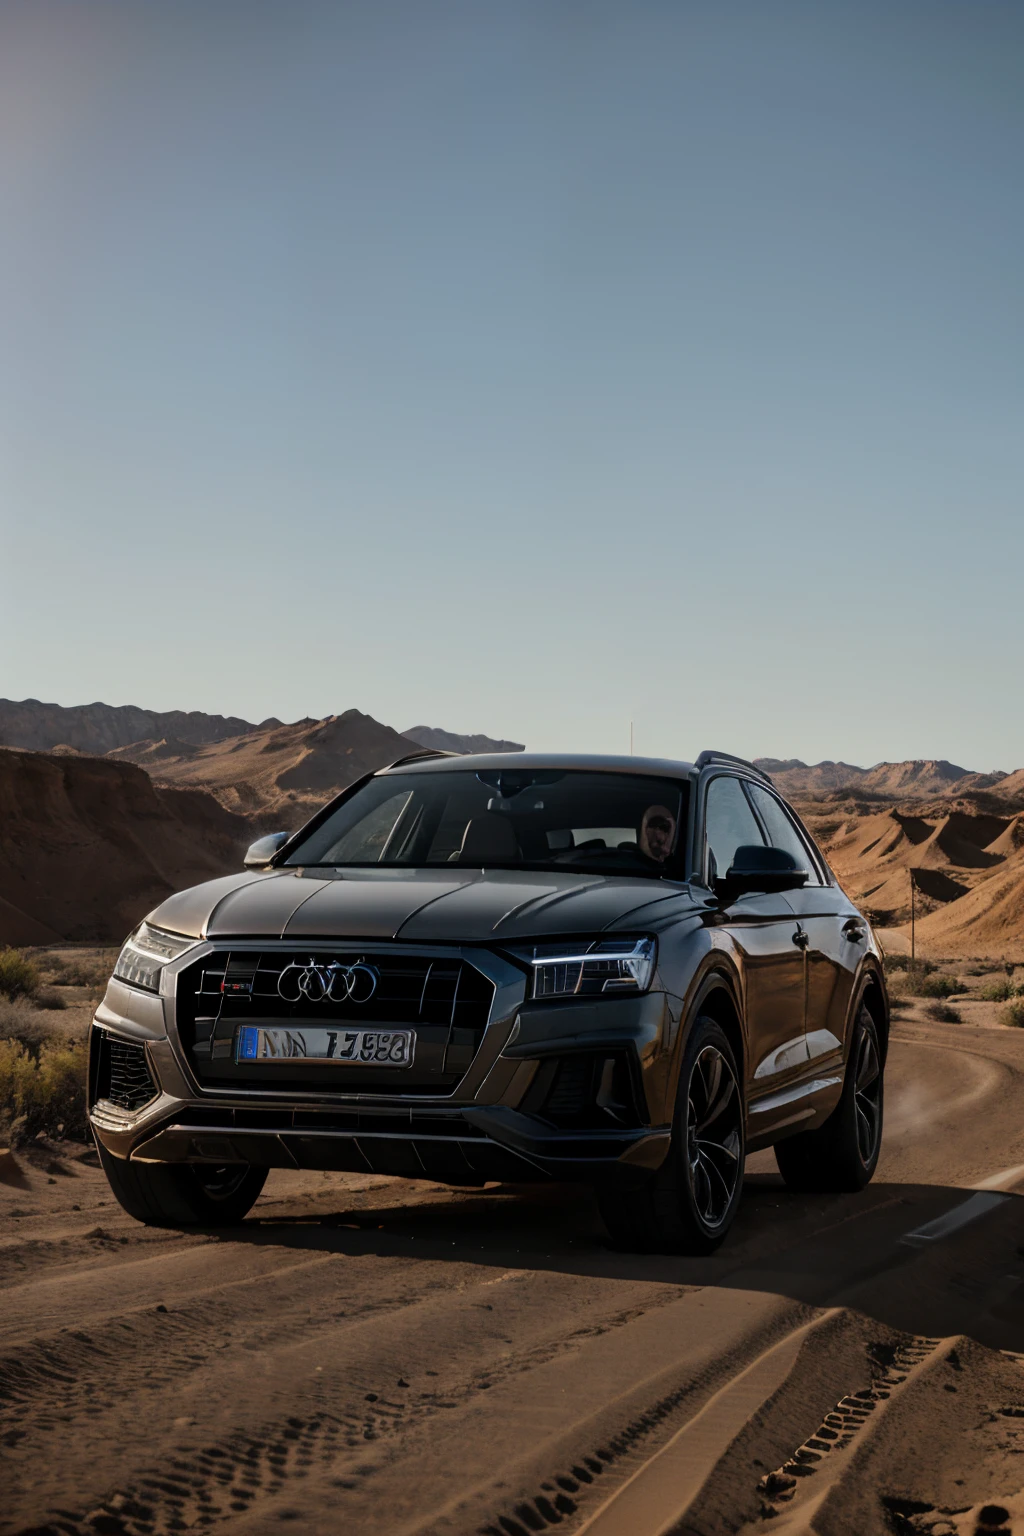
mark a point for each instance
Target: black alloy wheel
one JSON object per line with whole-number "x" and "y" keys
{"x": 220, "y": 1183}
{"x": 714, "y": 1139}
{"x": 868, "y": 1096}
{"x": 688, "y": 1204}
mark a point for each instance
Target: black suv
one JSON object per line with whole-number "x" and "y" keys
{"x": 621, "y": 971}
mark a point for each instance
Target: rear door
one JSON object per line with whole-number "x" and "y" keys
{"x": 832, "y": 950}
{"x": 762, "y": 927}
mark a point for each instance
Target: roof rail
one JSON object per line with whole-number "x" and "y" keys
{"x": 727, "y": 757}
{"x": 413, "y": 757}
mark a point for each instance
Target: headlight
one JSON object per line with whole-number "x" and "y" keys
{"x": 590, "y": 970}
{"x": 145, "y": 953}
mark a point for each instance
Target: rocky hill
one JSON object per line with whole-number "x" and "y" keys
{"x": 913, "y": 779}
{"x": 101, "y": 728}
{"x": 88, "y": 846}
{"x": 276, "y": 777}
{"x": 451, "y": 741}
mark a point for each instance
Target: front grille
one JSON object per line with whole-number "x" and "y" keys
{"x": 123, "y": 1075}
{"x": 443, "y": 998}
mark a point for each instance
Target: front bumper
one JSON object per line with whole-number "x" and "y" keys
{"x": 495, "y": 1128}
{"x": 470, "y": 1146}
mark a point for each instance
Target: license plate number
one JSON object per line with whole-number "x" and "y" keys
{"x": 346, "y": 1047}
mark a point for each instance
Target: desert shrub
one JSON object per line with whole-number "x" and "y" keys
{"x": 942, "y": 1013}
{"x": 937, "y": 986}
{"x": 45, "y": 1092}
{"x": 1013, "y": 1014}
{"x": 18, "y": 976}
{"x": 997, "y": 991}
{"x": 83, "y": 971}
{"x": 20, "y": 1021}
{"x": 904, "y": 963}
{"x": 92, "y": 971}
{"x": 49, "y": 998}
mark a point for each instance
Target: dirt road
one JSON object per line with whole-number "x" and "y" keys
{"x": 365, "y": 1355}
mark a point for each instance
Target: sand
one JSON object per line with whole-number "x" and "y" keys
{"x": 374, "y": 1356}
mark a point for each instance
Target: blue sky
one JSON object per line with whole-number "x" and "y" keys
{"x": 523, "y": 367}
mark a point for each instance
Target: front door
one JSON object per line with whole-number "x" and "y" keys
{"x": 834, "y": 942}
{"x": 765, "y": 936}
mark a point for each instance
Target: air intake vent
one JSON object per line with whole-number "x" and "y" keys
{"x": 124, "y": 1075}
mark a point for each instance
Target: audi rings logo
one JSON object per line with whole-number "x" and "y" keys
{"x": 316, "y": 981}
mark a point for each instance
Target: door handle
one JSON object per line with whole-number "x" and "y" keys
{"x": 801, "y": 938}
{"x": 853, "y": 930}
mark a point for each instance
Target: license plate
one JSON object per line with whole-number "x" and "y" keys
{"x": 347, "y": 1047}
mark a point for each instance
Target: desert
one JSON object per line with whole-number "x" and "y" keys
{"x": 844, "y": 1364}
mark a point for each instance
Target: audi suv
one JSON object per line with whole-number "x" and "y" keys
{"x": 618, "y": 971}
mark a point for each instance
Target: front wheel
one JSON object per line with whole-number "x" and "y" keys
{"x": 688, "y": 1206}
{"x": 183, "y": 1194}
{"x": 842, "y": 1154}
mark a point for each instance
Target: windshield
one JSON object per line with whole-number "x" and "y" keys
{"x": 613, "y": 823}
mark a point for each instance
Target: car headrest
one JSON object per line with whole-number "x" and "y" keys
{"x": 489, "y": 837}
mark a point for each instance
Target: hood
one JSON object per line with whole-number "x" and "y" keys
{"x": 428, "y": 906}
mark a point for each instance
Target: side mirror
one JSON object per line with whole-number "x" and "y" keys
{"x": 263, "y": 849}
{"x": 756, "y": 868}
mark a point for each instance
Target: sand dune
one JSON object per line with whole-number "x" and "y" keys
{"x": 962, "y": 861}
{"x": 986, "y": 920}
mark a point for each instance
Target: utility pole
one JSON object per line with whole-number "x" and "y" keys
{"x": 913, "y": 949}
{"x": 631, "y": 738}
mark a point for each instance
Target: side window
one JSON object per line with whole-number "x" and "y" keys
{"x": 729, "y": 823}
{"x": 781, "y": 831}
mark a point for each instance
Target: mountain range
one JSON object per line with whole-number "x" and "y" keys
{"x": 104, "y": 810}
{"x": 906, "y": 780}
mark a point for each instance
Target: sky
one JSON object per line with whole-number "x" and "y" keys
{"x": 529, "y": 368}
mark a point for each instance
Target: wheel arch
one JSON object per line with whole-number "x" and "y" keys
{"x": 871, "y": 994}
{"x": 716, "y": 998}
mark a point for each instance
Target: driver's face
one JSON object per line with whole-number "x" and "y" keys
{"x": 657, "y": 832}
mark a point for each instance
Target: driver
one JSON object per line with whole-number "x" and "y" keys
{"x": 657, "y": 833}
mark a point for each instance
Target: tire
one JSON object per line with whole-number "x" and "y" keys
{"x": 183, "y": 1194}
{"x": 688, "y": 1206}
{"x": 842, "y": 1155}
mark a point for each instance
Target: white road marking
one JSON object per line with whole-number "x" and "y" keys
{"x": 961, "y": 1215}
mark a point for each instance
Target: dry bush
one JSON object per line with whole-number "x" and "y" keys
{"x": 996, "y": 991}
{"x": 1013, "y": 1014}
{"x": 904, "y": 963}
{"x": 20, "y": 1021}
{"x": 79, "y": 971}
{"x": 18, "y": 976}
{"x": 936, "y": 986}
{"x": 942, "y": 1013}
{"x": 49, "y": 998}
{"x": 44, "y": 1092}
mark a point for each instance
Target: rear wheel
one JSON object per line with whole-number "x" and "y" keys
{"x": 843, "y": 1153}
{"x": 689, "y": 1204}
{"x": 183, "y": 1194}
